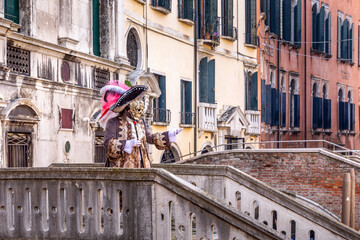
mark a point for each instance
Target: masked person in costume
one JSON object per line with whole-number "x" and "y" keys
{"x": 126, "y": 133}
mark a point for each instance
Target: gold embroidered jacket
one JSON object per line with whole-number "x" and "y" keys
{"x": 118, "y": 131}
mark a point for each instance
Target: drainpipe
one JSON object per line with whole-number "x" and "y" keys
{"x": 305, "y": 71}
{"x": 278, "y": 81}
{"x": 195, "y": 74}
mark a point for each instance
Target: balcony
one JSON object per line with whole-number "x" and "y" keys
{"x": 161, "y": 116}
{"x": 254, "y": 122}
{"x": 207, "y": 117}
{"x": 210, "y": 30}
{"x": 187, "y": 119}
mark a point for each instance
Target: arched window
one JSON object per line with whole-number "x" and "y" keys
{"x": 294, "y": 105}
{"x": 238, "y": 200}
{"x": 170, "y": 155}
{"x": 193, "y": 226}
{"x": 312, "y": 235}
{"x": 317, "y": 104}
{"x": 133, "y": 49}
{"x": 274, "y": 220}
{"x": 256, "y": 210}
{"x": 293, "y": 229}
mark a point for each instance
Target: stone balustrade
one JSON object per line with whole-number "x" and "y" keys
{"x": 263, "y": 203}
{"x": 207, "y": 117}
{"x": 97, "y": 203}
{"x": 254, "y": 122}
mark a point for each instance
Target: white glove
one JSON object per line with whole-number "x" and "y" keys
{"x": 130, "y": 144}
{"x": 173, "y": 133}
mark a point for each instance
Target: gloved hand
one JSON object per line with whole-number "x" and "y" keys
{"x": 173, "y": 133}
{"x": 130, "y": 144}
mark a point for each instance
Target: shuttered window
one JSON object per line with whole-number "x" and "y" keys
{"x": 96, "y": 27}
{"x": 341, "y": 115}
{"x": 160, "y": 111}
{"x": 297, "y": 23}
{"x": 296, "y": 110}
{"x": 286, "y": 20}
{"x": 12, "y": 10}
{"x": 275, "y": 17}
{"x": 227, "y": 17}
{"x": 314, "y": 27}
{"x": 67, "y": 118}
{"x": 162, "y": 3}
{"x": 352, "y": 117}
{"x": 263, "y": 100}
{"x": 339, "y": 37}
{"x": 274, "y": 107}
{"x": 320, "y": 29}
{"x": 268, "y": 104}
{"x": 327, "y": 114}
{"x": 350, "y": 43}
{"x": 328, "y": 34}
{"x": 250, "y": 24}
{"x": 207, "y": 81}
{"x": 317, "y": 114}
{"x": 283, "y": 109}
{"x": 344, "y": 42}
{"x": 186, "y": 102}
{"x": 186, "y": 9}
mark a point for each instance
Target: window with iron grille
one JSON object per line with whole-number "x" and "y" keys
{"x": 101, "y": 78}
{"x": 18, "y": 60}
{"x": 100, "y": 152}
{"x": 67, "y": 118}
{"x": 19, "y": 149}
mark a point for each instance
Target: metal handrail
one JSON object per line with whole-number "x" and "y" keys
{"x": 344, "y": 149}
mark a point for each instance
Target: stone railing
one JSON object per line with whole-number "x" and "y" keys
{"x": 254, "y": 122}
{"x": 207, "y": 117}
{"x": 263, "y": 203}
{"x": 96, "y": 203}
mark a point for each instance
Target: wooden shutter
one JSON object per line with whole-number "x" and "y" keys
{"x": 268, "y": 104}
{"x": 341, "y": 115}
{"x": 344, "y": 42}
{"x": 162, "y": 98}
{"x": 66, "y": 118}
{"x": 297, "y": 23}
{"x": 211, "y": 81}
{"x": 268, "y": 12}
{"x": 352, "y": 117}
{"x": 327, "y": 114}
{"x": 254, "y": 92}
{"x": 188, "y": 9}
{"x": 96, "y": 27}
{"x": 320, "y": 28}
{"x": 346, "y": 116}
{"x": 253, "y": 36}
{"x": 247, "y": 90}
{"x": 203, "y": 80}
{"x": 283, "y": 109}
{"x": 263, "y": 100}
{"x": 12, "y": 10}
{"x": 275, "y": 17}
{"x": 315, "y": 111}
{"x": 320, "y": 113}
{"x": 286, "y": 20}
{"x": 339, "y": 38}
{"x": 328, "y": 34}
{"x": 188, "y": 102}
{"x": 247, "y": 22}
{"x": 275, "y": 107}
{"x": 230, "y": 16}
{"x": 314, "y": 27}
{"x": 296, "y": 110}
{"x": 182, "y": 96}
{"x": 350, "y": 42}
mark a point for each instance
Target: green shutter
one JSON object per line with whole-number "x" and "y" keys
{"x": 296, "y": 110}
{"x": 286, "y": 20}
{"x": 253, "y": 36}
{"x": 314, "y": 27}
{"x": 339, "y": 38}
{"x": 328, "y": 34}
{"x": 297, "y": 23}
{"x": 344, "y": 42}
{"x": 320, "y": 28}
{"x": 188, "y": 102}
{"x": 247, "y": 22}
{"x": 247, "y": 92}
{"x": 162, "y": 99}
{"x": 268, "y": 12}
{"x": 203, "y": 80}
{"x": 211, "y": 81}
{"x": 12, "y": 10}
{"x": 275, "y": 16}
{"x": 182, "y": 108}
{"x": 188, "y": 9}
{"x": 351, "y": 42}
{"x": 96, "y": 28}
{"x": 254, "y": 92}
{"x": 229, "y": 16}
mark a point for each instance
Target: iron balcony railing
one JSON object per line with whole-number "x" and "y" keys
{"x": 186, "y": 12}
{"x": 209, "y": 28}
{"x": 161, "y": 115}
{"x": 187, "y": 118}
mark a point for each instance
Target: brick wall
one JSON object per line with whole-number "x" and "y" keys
{"x": 310, "y": 174}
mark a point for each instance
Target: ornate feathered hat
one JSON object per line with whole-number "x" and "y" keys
{"x": 116, "y": 96}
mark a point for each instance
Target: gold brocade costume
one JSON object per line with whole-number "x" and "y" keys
{"x": 118, "y": 131}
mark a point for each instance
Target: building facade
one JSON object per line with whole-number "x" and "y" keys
{"x": 56, "y": 55}
{"x": 309, "y": 71}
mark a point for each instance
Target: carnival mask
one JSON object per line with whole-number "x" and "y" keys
{"x": 136, "y": 109}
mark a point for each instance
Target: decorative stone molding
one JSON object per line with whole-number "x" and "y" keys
{"x": 316, "y": 82}
{"x": 343, "y": 88}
